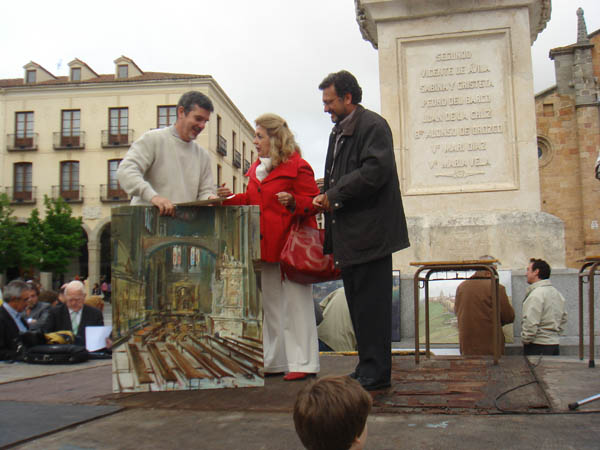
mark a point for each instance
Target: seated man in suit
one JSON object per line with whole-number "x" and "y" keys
{"x": 36, "y": 311}
{"x": 73, "y": 314}
{"x": 16, "y": 294}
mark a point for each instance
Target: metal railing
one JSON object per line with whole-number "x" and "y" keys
{"x": 457, "y": 267}
{"x": 237, "y": 159}
{"x": 117, "y": 138}
{"x": 222, "y": 146}
{"x": 61, "y": 142}
{"x": 246, "y": 165}
{"x": 25, "y": 195}
{"x": 71, "y": 194}
{"x": 587, "y": 272}
{"x": 16, "y": 142}
{"x": 109, "y": 193}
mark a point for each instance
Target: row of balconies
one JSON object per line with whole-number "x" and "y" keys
{"x": 29, "y": 141}
{"x": 237, "y": 156}
{"x": 27, "y": 194}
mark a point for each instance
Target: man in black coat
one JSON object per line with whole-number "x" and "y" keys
{"x": 73, "y": 314}
{"x": 16, "y": 295}
{"x": 364, "y": 220}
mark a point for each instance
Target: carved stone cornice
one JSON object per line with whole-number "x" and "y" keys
{"x": 370, "y": 12}
{"x": 367, "y": 28}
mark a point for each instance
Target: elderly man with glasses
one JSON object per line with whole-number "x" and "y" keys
{"x": 73, "y": 315}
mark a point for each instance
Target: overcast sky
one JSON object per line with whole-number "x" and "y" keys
{"x": 268, "y": 55}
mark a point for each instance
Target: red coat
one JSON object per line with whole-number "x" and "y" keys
{"x": 294, "y": 176}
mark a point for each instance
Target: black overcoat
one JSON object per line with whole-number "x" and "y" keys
{"x": 8, "y": 334}
{"x": 367, "y": 221}
{"x": 59, "y": 319}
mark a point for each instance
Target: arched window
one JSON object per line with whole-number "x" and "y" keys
{"x": 545, "y": 151}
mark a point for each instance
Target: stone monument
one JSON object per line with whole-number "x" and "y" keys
{"x": 457, "y": 90}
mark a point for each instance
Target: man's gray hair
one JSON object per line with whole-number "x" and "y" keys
{"x": 14, "y": 289}
{"x": 74, "y": 286}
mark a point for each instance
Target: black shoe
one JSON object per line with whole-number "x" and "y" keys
{"x": 370, "y": 384}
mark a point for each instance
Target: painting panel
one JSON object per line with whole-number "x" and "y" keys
{"x": 186, "y": 305}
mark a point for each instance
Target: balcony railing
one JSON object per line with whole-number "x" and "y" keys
{"x": 222, "y": 146}
{"x": 25, "y": 195}
{"x": 61, "y": 142}
{"x": 246, "y": 165}
{"x": 117, "y": 138}
{"x": 71, "y": 194}
{"x": 108, "y": 193}
{"x": 237, "y": 159}
{"x": 17, "y": 142}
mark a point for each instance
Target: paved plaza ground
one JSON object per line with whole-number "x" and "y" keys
{"x": 445, "y": 402}
{"x": 73, "y": 407}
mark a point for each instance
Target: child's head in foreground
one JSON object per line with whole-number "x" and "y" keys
{"x": 331, "y": 414}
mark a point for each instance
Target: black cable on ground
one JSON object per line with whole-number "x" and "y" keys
{"x": 507, "y": 411}
{"x": 535, "y": 381}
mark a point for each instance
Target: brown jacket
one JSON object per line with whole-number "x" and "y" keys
{"x": 473, "y": 308}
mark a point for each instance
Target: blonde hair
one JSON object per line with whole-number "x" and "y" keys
{"x": 282, "y": 142}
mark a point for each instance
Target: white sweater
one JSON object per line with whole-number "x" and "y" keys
{"x": 160, "y": 163}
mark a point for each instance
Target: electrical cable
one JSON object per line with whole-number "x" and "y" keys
{"x": 535, "y": 381}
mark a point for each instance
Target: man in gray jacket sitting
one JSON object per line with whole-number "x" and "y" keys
{"x": 544, "y": 315}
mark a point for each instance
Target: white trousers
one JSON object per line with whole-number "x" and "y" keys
{"x": 290, "y": 339}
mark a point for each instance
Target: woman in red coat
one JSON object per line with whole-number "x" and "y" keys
{"x": 283, "y": 185}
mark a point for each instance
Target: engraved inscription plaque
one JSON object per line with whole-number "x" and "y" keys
{"x": 457, "y": 118}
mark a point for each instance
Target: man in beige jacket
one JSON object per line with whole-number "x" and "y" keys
{"x": 544, "y": 315}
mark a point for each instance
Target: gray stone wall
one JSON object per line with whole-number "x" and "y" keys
{"x": 563, "y": 67}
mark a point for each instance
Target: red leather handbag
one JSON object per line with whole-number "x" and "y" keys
{"x": 302, "y": 259}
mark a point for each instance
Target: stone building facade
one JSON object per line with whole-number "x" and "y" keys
{"x": 568, "y": 127}
{"x": 65, "y": 136}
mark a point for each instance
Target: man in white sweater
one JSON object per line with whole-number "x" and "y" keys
{"x": 544, "y": 315}
{"x": 165, "y": 166}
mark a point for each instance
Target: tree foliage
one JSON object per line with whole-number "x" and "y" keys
{"x": 47, "y": 244}
{"x": 10, "y": 236}
{"x": 60, "y": 235}
{"x": 33, "y": 234}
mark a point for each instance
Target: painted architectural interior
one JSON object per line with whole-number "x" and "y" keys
{"x": 186, "y": 306}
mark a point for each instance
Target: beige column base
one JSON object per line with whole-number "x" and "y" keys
{"x": 93, "y": 263}
{"x": 511, "y": 237}
{"x": 46, "y": 280}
